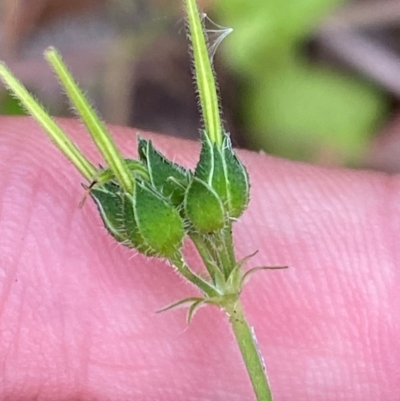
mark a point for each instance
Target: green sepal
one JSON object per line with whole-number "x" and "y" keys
{"x": 223, "y": 171}
{"x": 153, "y": 225}
{"x": 108, "y": 199}
{"x": 203, "y": 207}
{"x": 238, "y": 186}
{"x": 205, "y": 165}
{"x": 169, "y": 178}
{"x": 211, "y": 169}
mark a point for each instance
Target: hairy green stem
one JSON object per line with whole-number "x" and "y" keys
{"x": 179, "y": 263}
{"x": 94, "y": 125}
{"x": 204, "y": 74}
{"x": 228, "y": 241}
{"x": 252, "y": 358}
{"x": 217, "y": 242}
{"x": 208, "y": 258}
{"x": 55, "y": 133}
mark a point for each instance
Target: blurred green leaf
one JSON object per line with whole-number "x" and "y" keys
{"x": 292, "y": 108}
{"x": 309, "y": 110}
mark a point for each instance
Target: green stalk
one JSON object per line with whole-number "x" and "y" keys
{"x": 204, "y": 75}
{"x": 94, "y": 125}
{"x": 181, "y": 266}
{"x": 208, "y": 259}
{"x": 217, "y": 244}
{"x": 250, "y": 352}
{"x": 55, "y": 133}
{"x": 228, "y": 242}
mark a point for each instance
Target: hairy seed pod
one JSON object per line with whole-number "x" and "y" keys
{"x": 223, "y": 171}
{"x": 203, "y": 207}
{"x": 153, "y": 225}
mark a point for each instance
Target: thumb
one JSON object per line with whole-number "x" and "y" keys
{"x": 78, "y": 309}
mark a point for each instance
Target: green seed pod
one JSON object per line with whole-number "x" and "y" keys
{"x": 167, "y": 177}
{"x": 223, "y": 171}
{"x": 153, "y": 226}
{"x": 203, "y": 207}
{"x": 109, "y": 202}
{"x": 109, "y": 198}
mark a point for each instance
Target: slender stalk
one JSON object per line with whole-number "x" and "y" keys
{"x": 228, "y": 241}
{"x": 205, "y": 254}
{"x": 204, "y": 75}
{"x": 94, "y": 125}
{"x": 179, "y": 263}
{"x": 217, "y": 242}
{"x": 250, "y": 353}
{"x": 55, "y": 133}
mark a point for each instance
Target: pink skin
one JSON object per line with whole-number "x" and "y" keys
{"x": 77, "y": 310}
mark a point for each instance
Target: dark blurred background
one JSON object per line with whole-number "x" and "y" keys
{"x": 314, "y": 80}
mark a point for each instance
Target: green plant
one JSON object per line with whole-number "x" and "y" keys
{"x": 137, "y": 197}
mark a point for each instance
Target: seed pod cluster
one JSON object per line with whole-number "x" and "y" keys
{"x": 169, "y": 200}
{"x": 147, "y": 220}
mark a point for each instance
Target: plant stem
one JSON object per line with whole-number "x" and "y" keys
{"x": 250, "y": 353}
{"x": 218, "y": 244}
{"x": 179, "y": 262}
{"x": 205, "y": 255}
{"x": 228, "y": 241}
{"x": 93, "y": 123}
{"x": 55, "y": 133}
{"x": 204, "y": 75}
